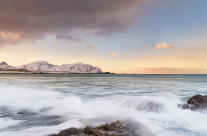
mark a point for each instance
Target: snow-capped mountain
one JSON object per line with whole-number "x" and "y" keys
{"x": 78, "y": 68}
{"x": 4, "y": 65}
{"x": 38, "y": 66}
{"x": 69, "y": 68}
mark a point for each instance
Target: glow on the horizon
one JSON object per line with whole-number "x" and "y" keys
{"x": 145, "y": 64}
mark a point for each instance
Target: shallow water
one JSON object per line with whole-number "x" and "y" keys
{"x": 37, "y": 105}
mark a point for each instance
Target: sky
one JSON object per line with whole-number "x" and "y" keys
{"x": 120, "y": 36}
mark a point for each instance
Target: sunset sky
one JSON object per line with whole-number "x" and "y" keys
{"x": 121, "y": 36}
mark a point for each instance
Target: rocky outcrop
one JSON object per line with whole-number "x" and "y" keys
{"x": 196, "y": 102}
{"x": 117, "y": 128}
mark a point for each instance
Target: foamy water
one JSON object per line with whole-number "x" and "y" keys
{"x": 37, "y": 105}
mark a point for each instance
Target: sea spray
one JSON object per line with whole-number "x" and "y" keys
{"x": 41, "y": 110}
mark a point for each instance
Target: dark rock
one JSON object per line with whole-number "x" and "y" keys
{"x": 91, "y": 131}
{"x": 187, "y": 106}
{"x": 117, "y": 128}
{"x": 196, "y": 102}
{"x": 24, "y": 112}
{"x": 70, "y": 132}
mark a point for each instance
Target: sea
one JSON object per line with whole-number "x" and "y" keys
{"x": 43, "y": 104}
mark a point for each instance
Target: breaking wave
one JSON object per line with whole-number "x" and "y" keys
{"x": 36, "y": 112}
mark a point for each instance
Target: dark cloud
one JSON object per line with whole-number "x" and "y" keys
{"x": 68, "y": 36}
{"x": 33, "y": 19}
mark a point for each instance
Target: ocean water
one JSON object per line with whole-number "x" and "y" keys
{"x": 38, "y": 105}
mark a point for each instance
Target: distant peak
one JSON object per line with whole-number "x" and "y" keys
{"x": 3, "y": 63}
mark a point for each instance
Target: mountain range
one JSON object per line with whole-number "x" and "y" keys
{"x": 45, "y": 67}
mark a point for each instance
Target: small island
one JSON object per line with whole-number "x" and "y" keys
{"x": 43, "y": 67}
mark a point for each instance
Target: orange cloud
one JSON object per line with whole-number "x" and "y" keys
{"x": 10, "y": 35}
{"x": 9, "y": 38}
{"x": 113, "y": 53}
{"x": 163, "y": 45}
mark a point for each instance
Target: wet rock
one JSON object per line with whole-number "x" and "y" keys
{"x": 117, "y": 128}
{"x": 25, "y": 112}
{"x": 70, "y": 132}
{"x": 196, "y": 102}
{"x": 150, "y": 106}
{"x": 187, "y": 106}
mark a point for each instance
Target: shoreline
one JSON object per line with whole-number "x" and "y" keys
{"x": 43, "y": 72}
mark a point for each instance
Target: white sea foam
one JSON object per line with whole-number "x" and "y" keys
{"x": 159, "y": 114}
{"x": 5, "y": 122}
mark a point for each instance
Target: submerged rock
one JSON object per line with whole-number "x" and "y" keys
{"x": 150, "y": 106}
{"x": 187, "y": 106}
{"x": 117, "y": 128}
{"x": 25, "y": 112}
{"x": 196, "y": 102}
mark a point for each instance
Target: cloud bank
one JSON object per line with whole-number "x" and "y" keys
{"x": 33, "y": 19}
{"x": 171, "y": 70}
